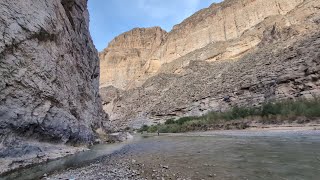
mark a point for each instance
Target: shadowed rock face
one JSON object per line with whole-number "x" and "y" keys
{"x": 49, "y": 71}
{"x": 273, "y": 55}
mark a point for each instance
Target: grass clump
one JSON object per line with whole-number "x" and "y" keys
{"x": 288, "y": 109}
{"x": 144, "y": 128}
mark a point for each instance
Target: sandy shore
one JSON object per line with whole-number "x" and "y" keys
{"x": 256, "y": 128}
{"x": 269, "y": 128}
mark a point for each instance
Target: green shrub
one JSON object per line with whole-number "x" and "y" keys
{"x": 143, "y": 128}
{"x": 270, "y": 113}
{"x": 184, "y": 120}
{"x": 170, "y": 121}
{"x": 153, "y": 129}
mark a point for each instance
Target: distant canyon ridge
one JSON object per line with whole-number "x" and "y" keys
{"x": 234, "y": 53}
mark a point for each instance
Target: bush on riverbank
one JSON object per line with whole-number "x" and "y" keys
{"x": 267, "y": 113}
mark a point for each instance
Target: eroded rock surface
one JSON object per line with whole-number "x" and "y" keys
{"x": 49, "y": 69}
{"x": 272, "y": 55}
{"x": 126, "y": 61}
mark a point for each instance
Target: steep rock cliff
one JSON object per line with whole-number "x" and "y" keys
{"x": 223, "y": 22}
{"x": 49, "y": 71}
{"x": 272, "y": 55}
{"x": 219, "y": 22}
{"x": 126, "y": 60}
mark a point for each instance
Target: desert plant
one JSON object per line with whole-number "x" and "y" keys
{"x": 271, "y": 112}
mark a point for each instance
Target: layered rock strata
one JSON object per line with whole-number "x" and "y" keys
{"x": 123, "y": 68}
{"x": 126, "y": 61}
{"x": 272, "y": 53}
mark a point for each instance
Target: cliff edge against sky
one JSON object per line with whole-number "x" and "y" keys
{"x": 235, "y": 53}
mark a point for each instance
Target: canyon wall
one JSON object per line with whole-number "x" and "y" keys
{"x": 235, "y": 53}
{"x": 221, "y": 22}
{"x": 126, "y": 60}
{"x": 49, "y": 69}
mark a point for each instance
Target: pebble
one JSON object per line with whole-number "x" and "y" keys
{"x": 165, "y": 167}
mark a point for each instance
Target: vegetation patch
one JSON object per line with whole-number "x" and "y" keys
{"x": 268, "y": 113}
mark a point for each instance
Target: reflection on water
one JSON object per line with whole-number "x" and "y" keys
{"x": 234, "y": 155}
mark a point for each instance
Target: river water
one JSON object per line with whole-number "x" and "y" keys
{"x": 237, "y": 155}
{"x": 291, "y": 155}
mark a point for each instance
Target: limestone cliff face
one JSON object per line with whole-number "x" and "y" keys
{"x": 49, "y": 69}
{"x": 236, "y": 53}
{"x": 219, "y": 22}
{"x": 127, "y": 57}
{"x": 223, "y": 22}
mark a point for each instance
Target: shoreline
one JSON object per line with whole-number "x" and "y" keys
{"x": 37, "y": 153}
{"x": 33, "y": 153}
{"x": 69, "y": 150}
{"x": 128, "y": 163}
{"x": 274, "y": 127}
{"x": 254, "y": 127}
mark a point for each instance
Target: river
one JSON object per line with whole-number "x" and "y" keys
{"x": 292, "y": 155}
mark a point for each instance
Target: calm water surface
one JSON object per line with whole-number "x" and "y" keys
{"x": 233, "y": 155}
{"x": 239, "y": 155}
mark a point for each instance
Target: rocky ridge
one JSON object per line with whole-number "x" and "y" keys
{"x": 273, "y": 57}
{"x": 218, "y": 23}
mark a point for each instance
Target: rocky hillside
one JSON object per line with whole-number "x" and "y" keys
{"x": 235, "y": 53}
{"x": 49, "y": 72}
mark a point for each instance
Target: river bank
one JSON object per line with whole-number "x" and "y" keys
{"x": 28, "y": 153}
{"x": 17, "y": 153}
{"x": 257, "y": 128}
{"x": 174, "y": 155}
{"x": 295, "y": 112}
{"x": 229, "y": 154}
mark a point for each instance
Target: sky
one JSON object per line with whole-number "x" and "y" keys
{"x": 110, "y": 18}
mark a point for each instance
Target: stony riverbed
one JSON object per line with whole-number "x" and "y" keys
{"x": 270, "y": 154}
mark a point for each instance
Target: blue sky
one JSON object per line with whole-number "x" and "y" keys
{"x": 109, "y": 18}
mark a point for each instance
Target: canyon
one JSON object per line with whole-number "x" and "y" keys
{"x": 234, "y": 53}
{"x": 59, "y": 96}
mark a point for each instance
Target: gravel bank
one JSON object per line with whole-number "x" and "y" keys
{"x": 121, "y": 165}
{"x": 139, "y": 161}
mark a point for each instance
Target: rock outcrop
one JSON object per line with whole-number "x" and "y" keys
{"x": 49, "y": 71}
{"x": 126, "y": 61}
{"x": 218, "y": 23}
{"x": 235, "y": 53}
